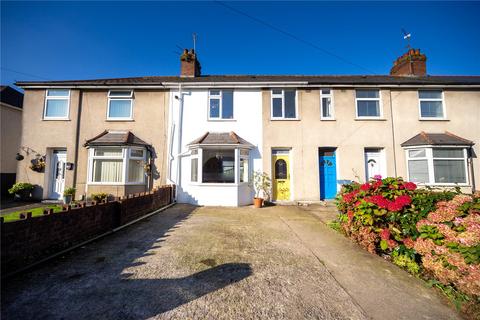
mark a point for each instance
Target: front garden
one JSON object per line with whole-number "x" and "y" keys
{"x": 433, "y": 235}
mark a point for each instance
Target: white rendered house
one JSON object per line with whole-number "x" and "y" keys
{"x": 215, "y": 143}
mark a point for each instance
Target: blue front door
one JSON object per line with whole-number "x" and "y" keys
{"x": 328, "y": 174}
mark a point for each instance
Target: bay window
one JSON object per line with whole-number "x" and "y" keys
{"x": 437, "y": 165}
{"x": 117, "y": 165}
{"x": 219, "y": 165}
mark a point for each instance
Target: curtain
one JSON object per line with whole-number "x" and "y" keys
{"x": 136, "y": 173}
{"x": 57, "y": 108}
{"x": 107, "y": 170}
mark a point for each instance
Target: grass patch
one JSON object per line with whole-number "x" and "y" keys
{"x": 14, "y": 216}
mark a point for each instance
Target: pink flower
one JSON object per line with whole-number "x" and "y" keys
{"x": 394, "y": 206}
{"x": 350, "y": 215}
{"x": 385, "y": 234}
{"x": 403, "y": 200}
{"x": 377, "y": 177}
{"x": 392, "y": 243}
{"x": 409, "y": 243}
{"x": 424, "y": 246}
{"x": 378, "y": 184}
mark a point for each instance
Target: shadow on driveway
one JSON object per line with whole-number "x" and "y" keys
{"x": 103, "y": 281}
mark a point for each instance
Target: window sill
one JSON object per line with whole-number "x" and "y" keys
{"x": 119, "y": 120}
{"x": 328, "y": 119}
{"x": 222, "y": 120}
{"x": 115, "y": 184}
{"x": 449, "y": 185}
{"x": 217, "y": 184}
{"x": 432, "y": 119}
{"x": 56, "y": 119}
{"x": 284, "y": 119}
{"x": 370, "y": 119}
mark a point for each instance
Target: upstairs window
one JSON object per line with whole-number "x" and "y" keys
{"x": 431, "y": 104}
{"x": 57, "y": 102}
{"x": 284, "y": 104}
{"x": 220, "y": 105}
{"x": 326, "y": 105}
{"x": 120, "y": 105}
{"x": 368, "y": 104}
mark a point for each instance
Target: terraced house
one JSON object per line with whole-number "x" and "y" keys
{"x": 208, "y": 133}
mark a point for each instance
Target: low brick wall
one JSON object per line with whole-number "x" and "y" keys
{"x": 31, "y": 239}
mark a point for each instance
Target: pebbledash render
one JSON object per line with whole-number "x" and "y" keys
{"x": 208, "y": 134}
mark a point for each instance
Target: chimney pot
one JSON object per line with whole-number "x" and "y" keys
{"x": 189, "y": 65}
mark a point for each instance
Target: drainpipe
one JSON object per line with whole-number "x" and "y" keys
{"x": 472, "y": 171}
{"x": 179, "y": 135}
{"x": 77, "y": 138}
{"x": 393, "y": 136}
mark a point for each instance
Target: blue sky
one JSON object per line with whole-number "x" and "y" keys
{"x": 72, "y": 40}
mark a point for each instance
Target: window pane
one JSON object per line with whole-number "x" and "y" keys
{"x": 368, "y": 108}
{"x": 136, "y": 153}
{"x": 214, "y": 92}
{"x": 418, "y": 171}
{"x": 57, "y": 93}
{"x": 244, "y": 152}
{"x": 430, "y": 94}
{"x": 277, "y": 91}
{"x": 290, "y": 104}
{"x": 57, "y": 108}
{"x": 218, "y": 166}
{"x": 326, "y": 108}
{"x": 431, "y": 109}
{"x": 449, "y": 171}
{"x": 194, "y": 170}
{"x": 277, "y": 107}
{"x": 136, "y": 173}
{"x": 120, "y": 108}
{"x": 227, "y": 104}
{"x": 447, "y": 153}
{"x": 107, "y": 170}
{"x": 109, "y": 152}
{"x": 367, "y": 93}
{"x": 118, "y": 94}
{"x": 325, "y": 91}
{"x": 214, "y": 108}
{"x": 417, "y": 153}
{"x": 243, "y": 169}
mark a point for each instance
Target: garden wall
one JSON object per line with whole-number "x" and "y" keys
{"x": 32, "y": 239}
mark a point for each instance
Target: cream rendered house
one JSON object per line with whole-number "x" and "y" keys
{"x": 208, "y": 134}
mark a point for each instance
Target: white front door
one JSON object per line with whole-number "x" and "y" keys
{"x": 57, "y": 185}
{"x": 374, "y": 163}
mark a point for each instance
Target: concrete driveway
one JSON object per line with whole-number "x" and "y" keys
{"x": 221, "y": 263}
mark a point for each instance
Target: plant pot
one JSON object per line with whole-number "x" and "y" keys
{"x": 23, "y": 195}
{"x": 257, "y": 202}
{"x": 67, "y": 199}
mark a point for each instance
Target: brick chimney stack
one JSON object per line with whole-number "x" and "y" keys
{"x": 189, "y": 65}
{"x": 412, "y": 63}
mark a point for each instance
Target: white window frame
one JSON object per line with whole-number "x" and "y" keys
{"x": 47, "y": 97}
{"x": 282, "y": 95}
{"x": 198, "y": 157}
{"x": 128, "y": 97}
{"x": 442, "y": 100}
{"x": 431, "y": 170}
{"x": 220, "y": 105}
{"x": 380, "y": 107}
{"x": 237, "y": 158}
{"x": 332, "y": 108}
{"x": 125, "y": 157}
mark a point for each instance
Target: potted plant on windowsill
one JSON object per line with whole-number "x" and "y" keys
{"x": 262, "y": 184}
{"x": 68, "y": 195}
{"x": 21, "y": 190}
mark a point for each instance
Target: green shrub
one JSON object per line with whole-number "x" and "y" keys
{"x": 99, "y": 197}
{"x": 405, "y": 261}
{"x": 69, "y": 192}
{"x": 21, "y": 186}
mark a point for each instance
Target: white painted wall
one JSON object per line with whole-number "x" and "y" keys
{"x": 247, "y": 123}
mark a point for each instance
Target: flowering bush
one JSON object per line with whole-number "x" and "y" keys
{"x": 435, "y": 234}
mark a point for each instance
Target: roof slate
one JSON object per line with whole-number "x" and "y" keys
{"x": 116, "y": 138}
{"x": 444, "y": 139}
{"x": 220, "y": 138}
{"x": 312, "y": 80}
